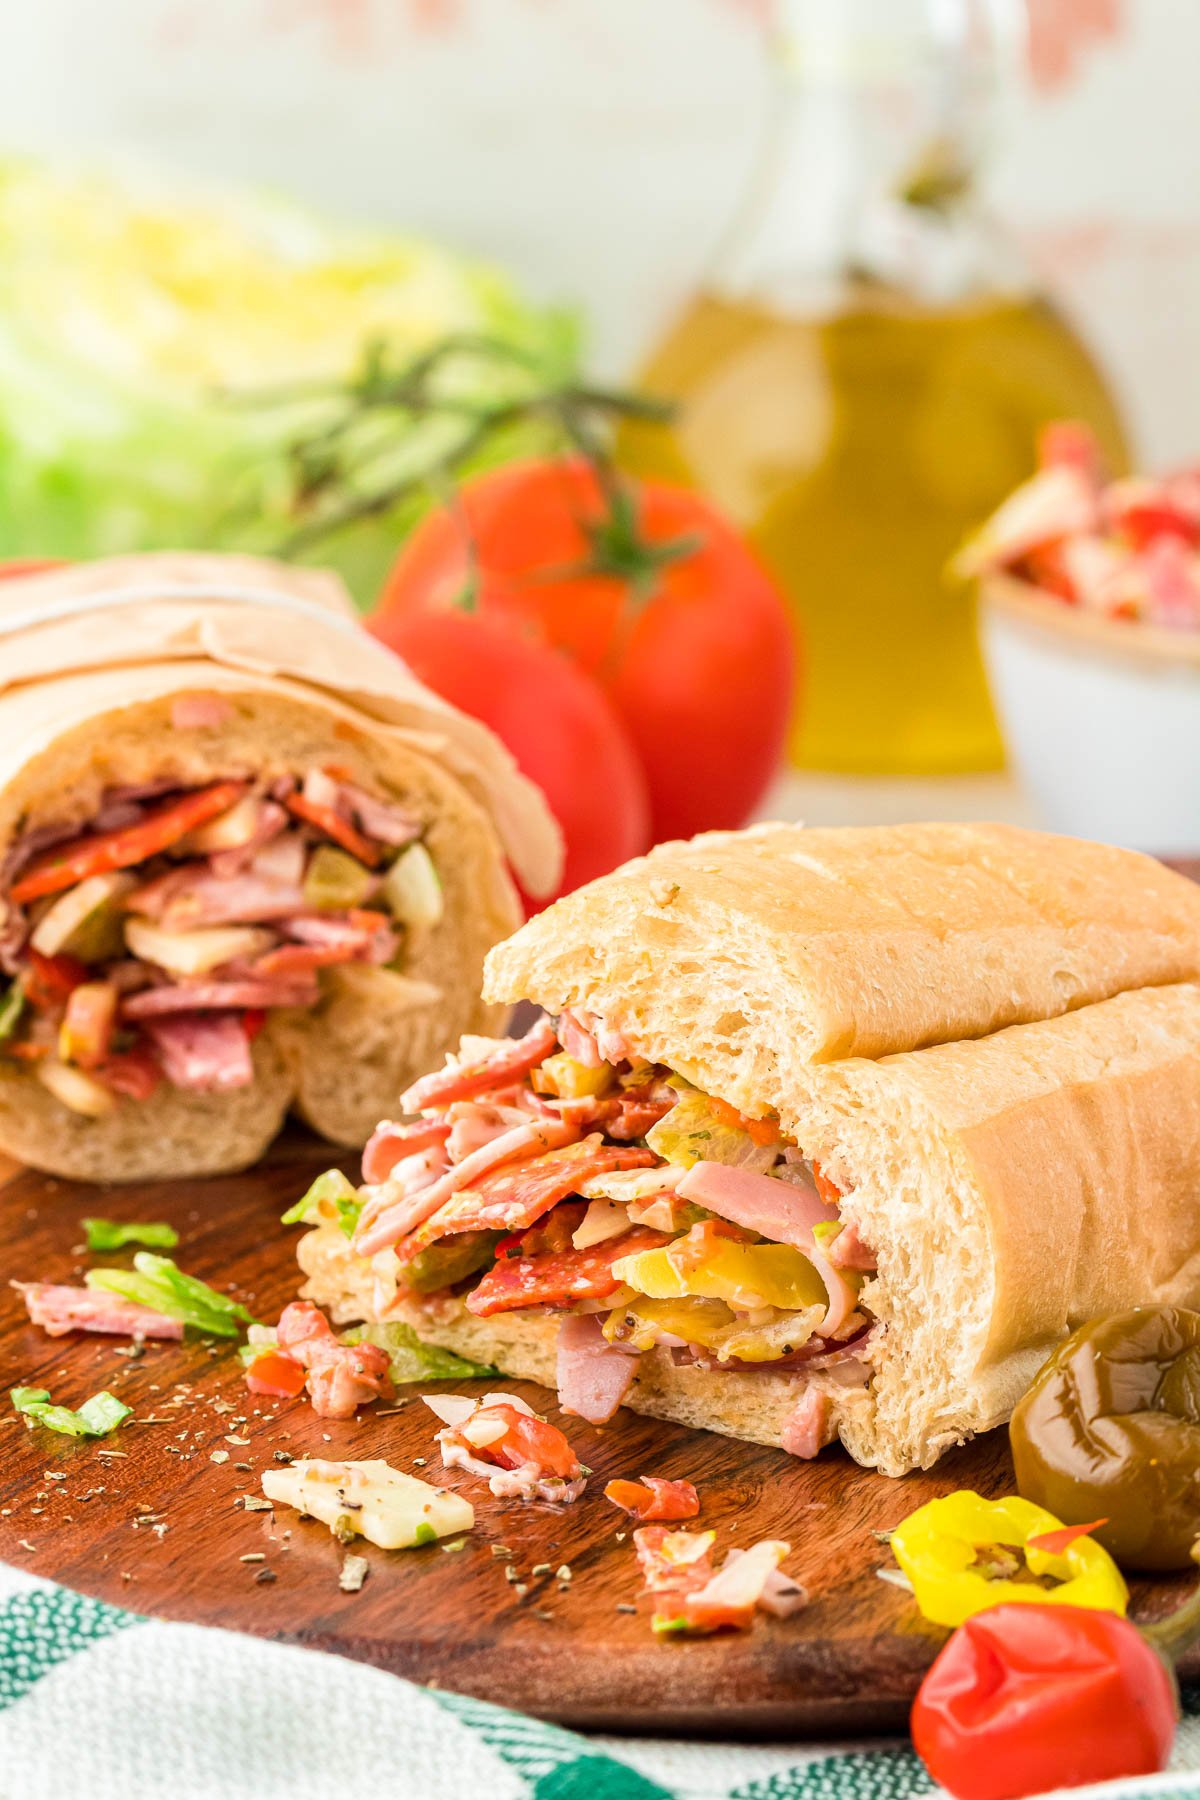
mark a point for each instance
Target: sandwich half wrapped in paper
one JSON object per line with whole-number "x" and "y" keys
{"x": 827, "y": 1133}
{"x": 247, "y": 863}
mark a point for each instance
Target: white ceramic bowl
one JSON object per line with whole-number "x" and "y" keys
{"x": 1101, "y": 718}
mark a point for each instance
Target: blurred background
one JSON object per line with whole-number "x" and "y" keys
{"x": 868, "y": 247}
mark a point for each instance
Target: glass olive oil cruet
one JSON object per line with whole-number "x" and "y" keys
{"x": 861, "y": 379}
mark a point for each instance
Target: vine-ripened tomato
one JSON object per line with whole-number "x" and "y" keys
{"x": 662, "y": 603}
{"x": 554, "y": 719}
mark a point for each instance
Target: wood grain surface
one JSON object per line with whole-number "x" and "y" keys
{"x": 152, "y": 1517}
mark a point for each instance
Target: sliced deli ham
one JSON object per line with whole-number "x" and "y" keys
{"x": 204, "y": 1053}
{"x": 386, "y": 824}
{"x": 512, "y": 1199}
{"x": 848, "y": 1251}
{"x": 462, "y": 1081}
{"x": 190, "y": 897}
{"x": 390, "y": 1143}
{"x": 391, "y": 1221}
{"x": 218, "y": 996}
{"x": 810, "y": 1426}
{"x": 593, "y": 1376}
{"x": 59, "y": 1310}
{"x": 779, "y": 1210}
{"x": 776, "y": 1209}
{"x": 341, "y": 1377}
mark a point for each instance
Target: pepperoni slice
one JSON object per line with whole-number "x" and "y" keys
{"x": 558, "y": 1279}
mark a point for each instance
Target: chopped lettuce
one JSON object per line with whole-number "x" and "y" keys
{"x": 108, "y": 1234}
{"x": 260, "y": 1339}
{"x": 138, "y": 319}
{"x": 698, "y": 1129}
{"x": 411, "y": 1360}
{"x": 95, "y": 1418}
{"x": 332, "y": 1197}
{"x": 12, "y": 1005}
{"x": 157, "y": 1282}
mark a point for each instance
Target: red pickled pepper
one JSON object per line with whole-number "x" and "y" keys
{"x": 1023, "y": 1699}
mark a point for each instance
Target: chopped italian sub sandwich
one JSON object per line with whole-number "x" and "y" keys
{"x": 247, "y": 864}
{"x": 820, "y": 1134}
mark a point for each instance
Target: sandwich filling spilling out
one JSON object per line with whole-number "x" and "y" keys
{"x": 561, "y": 1173}
{"x": 151, "y": 945}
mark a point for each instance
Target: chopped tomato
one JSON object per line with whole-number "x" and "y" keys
{"x": 528, "y": 1439}
{"x": 49, "y": 981}
{"x": 558, "y": 1279}
{"x": 275, "y": 1373}
{"x": 829, "y": 1191}
{"x": 1143, "y": 511}
{"x": 303, "y": 959}
{"x": 652, "y": 1497}
{"x": 1046, "y": 566}
{"x": 760, "y": 1131}
{"x": 334, "y": 826}
{"x": 701, "y": 1242}
{"x": 365, "y": 918}
{"x": 99, "y": 852}
{"x": 134, "y": 1073}
{"x": 85, "y": 1035}
{"x": 253, "y": 1020}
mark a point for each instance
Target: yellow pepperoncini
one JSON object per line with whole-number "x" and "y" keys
{"x": 743, "y": 1275}
{"x": 938, "y": 1549}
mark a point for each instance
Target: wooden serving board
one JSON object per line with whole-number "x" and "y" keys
{"x": 151, "y": 1518}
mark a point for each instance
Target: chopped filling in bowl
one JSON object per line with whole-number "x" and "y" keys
{"x": 1127, "y": 549}
{"x": 152, "y": 945}
{"x": 561, "y": 1173}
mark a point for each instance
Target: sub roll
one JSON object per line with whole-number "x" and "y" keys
{"x": 247, "y": 864}
{"x": 825, "y": 1134}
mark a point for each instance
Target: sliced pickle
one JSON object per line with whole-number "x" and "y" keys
{"x": 444, "y": 1264}
{"x": 335, "y": 881}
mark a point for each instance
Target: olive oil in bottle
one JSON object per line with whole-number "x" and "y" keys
{"x": 862, "y": 379}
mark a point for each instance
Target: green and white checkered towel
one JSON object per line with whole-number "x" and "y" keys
{"x": 100, "y": 1703}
